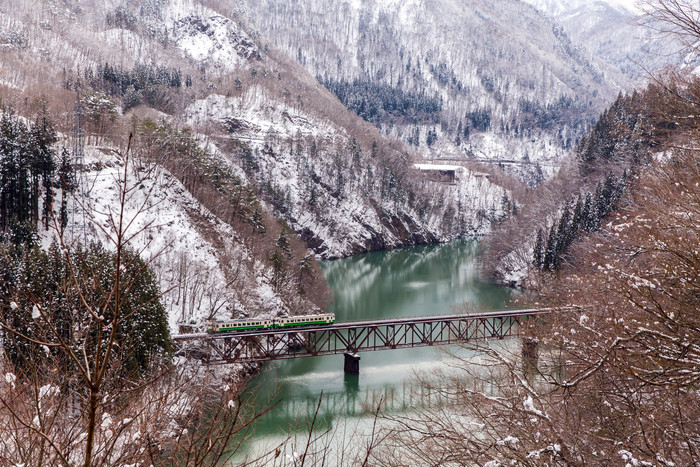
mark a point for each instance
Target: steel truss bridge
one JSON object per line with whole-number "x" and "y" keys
{"x": 350, "y": 338}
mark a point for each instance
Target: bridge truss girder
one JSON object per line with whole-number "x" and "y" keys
{"x": 277, "y": 344}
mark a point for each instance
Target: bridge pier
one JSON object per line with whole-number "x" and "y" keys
{"x": 352, "y": 364}
{"x": 530, "y": 354}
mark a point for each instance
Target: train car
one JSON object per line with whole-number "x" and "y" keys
{"x": 306, "y": 320}
{"x": 239, "y": 324}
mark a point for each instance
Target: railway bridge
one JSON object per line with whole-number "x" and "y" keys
{"x": 351, "y": 338}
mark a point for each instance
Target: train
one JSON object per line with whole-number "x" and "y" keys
{"x": 272, "y": 323}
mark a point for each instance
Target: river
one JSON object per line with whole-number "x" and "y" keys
{"x": 415, "y": 281}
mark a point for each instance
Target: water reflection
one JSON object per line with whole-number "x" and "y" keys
{"x": 414, "y": 281}
{"x": 418, "y": 281}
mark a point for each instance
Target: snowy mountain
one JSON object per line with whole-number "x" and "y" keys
{"x": 250, "y": 161}
{"x": 558, "y": 8}
{"x": 483, "y": 80}
{"x": 615, "y": 32}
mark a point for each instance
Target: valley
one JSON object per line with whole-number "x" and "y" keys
{"x": 169, "y": 163}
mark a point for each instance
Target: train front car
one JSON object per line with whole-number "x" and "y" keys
{"x": 305, "y": 320}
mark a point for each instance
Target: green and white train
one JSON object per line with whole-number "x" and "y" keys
{"x": 260, "y": 323}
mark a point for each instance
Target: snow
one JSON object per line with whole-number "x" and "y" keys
{"x": 508, "y": 440}
{"x": 214, "y": 40}
{"x": 106, "y": 421}
{"x": 10, "y": 85}
{"x": 135, "y": 46}
{"x": 264, "y": 124}
{"x": 438, "y": 167}
{"x": 631, "y": 461}
{"x": 560, "y": 7}
{"x": 48, "y": 390}
{"x": 529, "y": 406}
{"x": 10, "y": 378}
{"x": 174, "y": 233}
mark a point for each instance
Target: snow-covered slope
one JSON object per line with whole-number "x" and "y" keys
{"x": 203, "y": 266}
{"x": 614, "y": 31}
{"x": 495, "y": 67}
{"x": 562, "y": 7}
{"x": 245, "y": 147}
{"x": 341, "y": 198}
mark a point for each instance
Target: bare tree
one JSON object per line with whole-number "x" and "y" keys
{"x": 616, "y": 379}
{"x": 70, "y": 394}
{"x": 679, "y": 19}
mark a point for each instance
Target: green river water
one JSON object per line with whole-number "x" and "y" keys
{"x": 416, "y": 281}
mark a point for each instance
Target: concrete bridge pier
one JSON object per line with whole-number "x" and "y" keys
{"x": 352, "y": 364}
{"x": 530, "y": 354}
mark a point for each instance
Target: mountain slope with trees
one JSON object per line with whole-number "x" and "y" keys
{"x": 260, "y": 154}
{"x": 490, "y": 80}
{"x": 610, "y": 376}
{"x": 622, "y": 34}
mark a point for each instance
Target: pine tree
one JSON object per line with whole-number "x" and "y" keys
{"x": 564, "y": 235}
{"x": 36, "y": 280}
{"x": 42, "y": 138}
{"x": 66, "y": 181}
{"x": 257, "y": 221}
{"x": 279, "y": 266}
{"x": 550, "y": 260}
{"x": 538, "y": 251}
{"x": 16, "y": 200}
{"x": 577, "y": 219}
{"x": 283, "y": 243}
{"x": 588, "y": 214}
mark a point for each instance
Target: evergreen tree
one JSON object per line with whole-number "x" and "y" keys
{"x": 431, "y": 137}
{"x": 283, "y": 243}
{"x": 577, "y": 219}
{"x": 279, "y": 268}
{"x": 36, "y": 288}
{"x": 66, "y": 181}
{"x": 538, "y": 251}
{"x": 564, "y": 235}
{"x": 27, "y": 168}
{"x": 588, "y": 214}
{"x": 551, "y": 261}
{"x": 257, "y": 221}
{"x": 306, "y": 273}
{"x": 42, "y": 137}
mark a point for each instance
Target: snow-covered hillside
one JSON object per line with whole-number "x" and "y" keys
{"x": 562, "y": 7}
{"x": 615, "y": 32}
{"x": 497, "y": 68}
{"x": 343, "y": 199}
{"x": 250, "y": 160}
{"x": 203, "y": 266}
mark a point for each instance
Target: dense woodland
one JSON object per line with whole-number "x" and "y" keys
{"x": 513, "y": 91}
